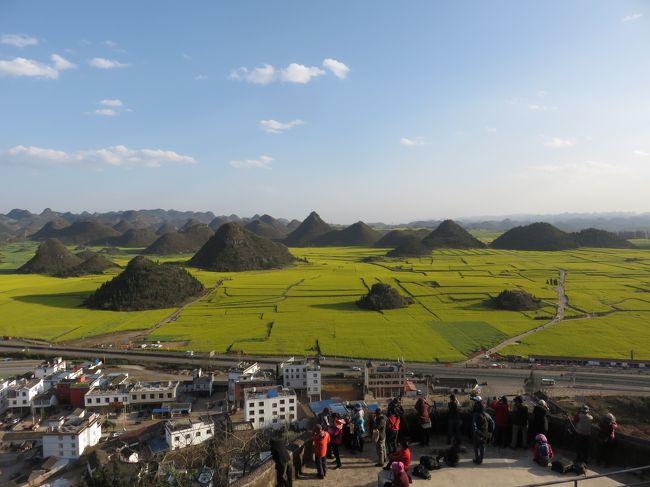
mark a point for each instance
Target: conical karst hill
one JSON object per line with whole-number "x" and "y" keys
{"x": 233, "y": 248}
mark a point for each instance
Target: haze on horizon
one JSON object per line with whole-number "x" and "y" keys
{"x": 380, "y": 111}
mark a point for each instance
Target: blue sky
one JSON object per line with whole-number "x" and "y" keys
{"x": 373, "y": 110}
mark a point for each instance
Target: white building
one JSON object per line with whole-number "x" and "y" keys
{"x": 242, "y": 371}
{"x": 112, "y": 392}
{"x": 48, "y": 368}
{"x": 5, "y": 384}
{"x": 73, "y": 437}
{"x": 201, "y": 383}
{"x": 23, "y": 392}
{"x": 189, "y": 432}
{"x": 270, "y": 407}
{"x": 148, "y": 393}
{"x": 302, "y": 375}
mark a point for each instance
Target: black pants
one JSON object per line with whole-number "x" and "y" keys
{"x": 391, "y": 440}
{"x": 284, "y": 476}
{"x": 358, "y": 442}
{"x": 426, "y": 434}
{"x": 605, "y": 452}
{"x": 582, "y": 448}
{"x": 337, "y": 455}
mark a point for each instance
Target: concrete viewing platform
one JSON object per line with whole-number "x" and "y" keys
{"x": 501, "y": 467}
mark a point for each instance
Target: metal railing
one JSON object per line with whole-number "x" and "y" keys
{"x": 585, "y": 478}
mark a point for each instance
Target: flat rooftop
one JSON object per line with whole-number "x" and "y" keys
{"x": 154, "y": 386}
{"x": 254, "y": 393}
{"x": 501, "y": 467}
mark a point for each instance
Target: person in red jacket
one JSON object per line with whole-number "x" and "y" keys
{"x": 402, "y": 455}
{"x": 400, "y": 477}
{"x": 392, "y": 432}
{"x": 501, "y": 415}
{"x": 320, "y": 439}
{"x": 542, "y": 451}
{"x": 336, "y": 437}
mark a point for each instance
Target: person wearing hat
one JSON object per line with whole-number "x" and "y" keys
{"x": 400, "y": 477}
{"x": 606, "y": 439}
{"x": 583, "y": 422}
{"x": 501, "y": 419}
{"x": 542, "y": 451}
{"x": 482, "y": 424}
{"x": 519, "y": 422}
{"x": 379, "y": 436}
{"x": 539, "y": 424}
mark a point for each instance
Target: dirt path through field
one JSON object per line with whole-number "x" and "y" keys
{"x": 562, "y": 303}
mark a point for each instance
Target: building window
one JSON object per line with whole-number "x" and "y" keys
{"x": 107, "y": 399}
{"x": 134, "y": 397}
{"x": 260, "y": 404}
{"x": 98, "y": 400}
{"x": 161, "y": 395}
{"x": 292, "y": 400}
{"x": 282, "y": 410}
{"x": 291, "y": 408}
{"x": 281, "y": 401}
{"x": 151, "y": 396}
{"x": 261, "y": 411}
{"x": 144, "y": 396}
{"x": 169, "y": 394}
{"x": 187, "y": 437}
{"x": 198, "y": 433}
{"x": 177, "y": 438}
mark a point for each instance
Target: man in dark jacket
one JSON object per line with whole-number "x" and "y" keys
{"x": 519, "y": 422}
{"x": 540, "y": 419}
{"x": 282, "y": 460}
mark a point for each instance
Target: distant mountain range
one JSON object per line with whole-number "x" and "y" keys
{"x": 146, "y": 226}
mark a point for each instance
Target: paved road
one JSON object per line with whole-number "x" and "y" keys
{"x": 562, "y": 303}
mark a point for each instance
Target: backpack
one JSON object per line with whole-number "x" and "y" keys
{"x": 429, "y": 462}
{"x": 580, "y": 468}
{"x": 422, "y": 472}
{"x": 562, "y": 466}
{"x": 543, "y": 450}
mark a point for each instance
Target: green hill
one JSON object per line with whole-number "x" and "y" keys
{"x": 592, "y": 237}
{"x": 410, "y": 248}
{"x": 50, "y": 230}
{"x": 267, "y": 226}
{"x": 311, "y": 228}
{"x": 358, "y": 234}
{"x": 146, "y": 285}
{"x": 95, "y": 264}
{"x": 134, "y": 237}
{"x": 234, "y": 248}
{"x": 536, "y": 236}
{"x": 51, "y": 257}
{"x": 395, "y": 238}
{"x": 166, "y": 227}
{"x": 450, "y": 235}
{"x": 382, "y": 296}
{"x": 182, "y": 242}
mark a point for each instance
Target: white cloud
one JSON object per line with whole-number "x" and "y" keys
{"x": 299, "y": 73}
{"x": 337, "y": 68}
{"x": 491, "y": 130}
{"x": 264, "y": 162}
{"x": 261, "y": 76}
{"x": 631, "y": 18}
{"x": 110, "y": 43}
{"x": 27, "y": 67}
{"x": 641, "y": 153}
{"x": 200, "y": 77}
{"x": 111, "y": 102}
{"x": 106, "y": 112}
{"x": 293, "y": 73}
{"x": 61, "y": 63}
{"x": 559, "y": 143}
{"x": 38, "y": 153}
{"x": 116, "y": 156}
{"x": 103, "y": 63}
{"x": 541, "y": 108}
{"x": 18, "y": 40}
{"x": 412, "y": 141}
{"x": 276, "y": 127}
{"x": 542, "y": 93}
{"x": 583, "y": 168}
